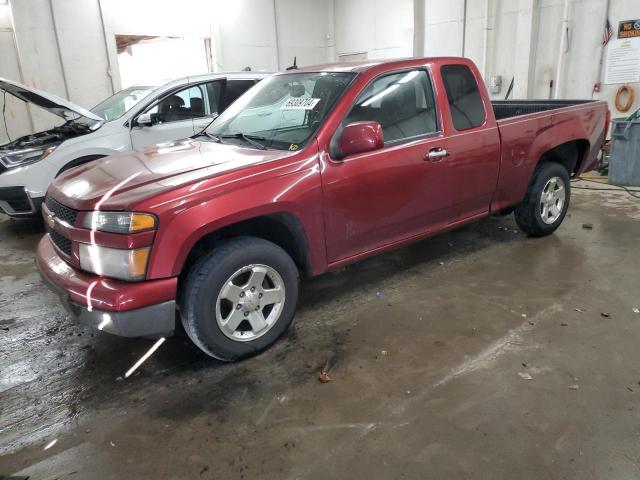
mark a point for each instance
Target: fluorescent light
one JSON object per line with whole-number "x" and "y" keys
{"x": 383, "y": 93}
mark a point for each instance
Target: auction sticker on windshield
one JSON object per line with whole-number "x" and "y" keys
{"x": 300, "y": 104}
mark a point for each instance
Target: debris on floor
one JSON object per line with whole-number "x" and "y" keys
{"x": 525, "y": 376}
{"x": 579, "y": 310}
{"x": 636, "y": 310}
{"x": 324, "y": 376}
{"x": 587, "y": 226}
{"x": 605, "y": 314}
{"x": 574, "y": 387}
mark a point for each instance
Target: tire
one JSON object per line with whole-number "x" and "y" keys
{"x": 218, "y": 294}
{"x": 531, "y": 215}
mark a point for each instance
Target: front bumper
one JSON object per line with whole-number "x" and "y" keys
{"x": 128, "y": 309}
{"x": 16, "y": 202}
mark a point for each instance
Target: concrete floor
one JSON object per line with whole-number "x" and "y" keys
{"x": 477, "y": 354}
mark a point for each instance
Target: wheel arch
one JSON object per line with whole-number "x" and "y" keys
{"x": 282, "y": 228}
{"x": 79, "y": 161}
{"x": 570, "y": 154}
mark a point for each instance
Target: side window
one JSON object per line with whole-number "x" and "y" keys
{"x": 235, "y": 88}
{"x": 402, "y": 103}
{"x": 182, "y": 105}
{"x": 465, "y": 103}
{"x": 213, "y": 96}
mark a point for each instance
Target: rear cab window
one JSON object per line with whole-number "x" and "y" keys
{"x": 402, "y": 103}
{"x": 463, "y": 95}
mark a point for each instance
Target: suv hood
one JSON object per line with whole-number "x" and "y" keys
{"x": 124, "y": 181}
{"x": 54, "y": 104}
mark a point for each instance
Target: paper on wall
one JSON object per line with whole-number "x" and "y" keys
{"x": 623, "y": 61}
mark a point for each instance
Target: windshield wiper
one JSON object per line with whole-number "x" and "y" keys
{"x": 213, "y": 137}
{"x": 248, "y": 138}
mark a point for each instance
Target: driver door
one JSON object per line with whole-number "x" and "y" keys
{"x": 173, "y": 116}
{"x": 382, "y": 197}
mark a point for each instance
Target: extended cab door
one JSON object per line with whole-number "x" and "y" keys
{"x": 472, "y": 141}
{"x": 382, "y": 197}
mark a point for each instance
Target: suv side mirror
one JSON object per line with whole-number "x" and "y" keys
{"x": 361, "y": 137}
{"x": 144, "y": 120}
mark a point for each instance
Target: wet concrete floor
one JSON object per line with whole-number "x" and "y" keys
{"x": 480, "y": 353}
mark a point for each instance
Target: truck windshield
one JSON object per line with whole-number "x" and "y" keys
{"x": 117, "y": 105}
{"x": 281, "y": 112}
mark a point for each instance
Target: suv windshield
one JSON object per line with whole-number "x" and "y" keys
{"x": 281, "y": 112}
{"x": 117, "y": 105}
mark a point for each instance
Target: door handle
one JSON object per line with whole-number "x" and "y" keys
{"x": 436, "y": 154}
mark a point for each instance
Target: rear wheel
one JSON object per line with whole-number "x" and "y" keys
{"x": 240, "y": 298}
{"x": 546, "y": 202}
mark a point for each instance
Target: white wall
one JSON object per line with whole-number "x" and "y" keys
{"x": 304, "y": 30}
{"x": 159, "y": 60}
{"x": 37, "y": 56}
{"x": 381, "y": 28}
{"x": 524, "y": 39}
{"x": 17, "y": 116}
{"x": 261, "y": 34}
{"x": 524, "y": 42}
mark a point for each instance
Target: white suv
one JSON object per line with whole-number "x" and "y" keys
{"x": 130, "y": 119}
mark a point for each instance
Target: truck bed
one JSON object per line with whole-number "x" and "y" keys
{"x": 514, "y": 108}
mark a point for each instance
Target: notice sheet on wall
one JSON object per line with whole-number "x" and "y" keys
{"x": 623, "y": 61}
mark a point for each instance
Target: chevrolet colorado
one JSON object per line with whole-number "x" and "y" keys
{"x": 309, "y": 170}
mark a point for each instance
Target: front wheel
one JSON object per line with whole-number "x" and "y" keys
{"x": 240, "y": 298}
{"x": 546, "y": 202}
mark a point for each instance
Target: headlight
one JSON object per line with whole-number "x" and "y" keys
{"x": 114, "y": 262}
{"x": 119, "y": 222}
{"x": 20, "y": 158}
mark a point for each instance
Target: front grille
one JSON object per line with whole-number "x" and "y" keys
{"x": 63, "y": 213}
{"x": 60, "y": 241}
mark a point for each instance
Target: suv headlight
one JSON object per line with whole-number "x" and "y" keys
{"x": 117, "y": 263}
{"x": 19, "y": 158}
{"x": 119, "y": 222}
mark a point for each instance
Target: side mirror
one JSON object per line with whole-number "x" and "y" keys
{"x": 144, "y": 120}
{"x": 361, "y": 137}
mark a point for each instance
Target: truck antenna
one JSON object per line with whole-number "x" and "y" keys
{"x": 295, "y": 64}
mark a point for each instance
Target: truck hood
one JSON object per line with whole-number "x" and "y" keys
{"x": 54, "y": 104}
{"x": 120, "y": 182}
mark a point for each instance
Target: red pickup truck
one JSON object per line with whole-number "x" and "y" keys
{"x": 309, "y": 170}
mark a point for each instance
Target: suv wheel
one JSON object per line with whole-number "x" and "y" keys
{"x": 546, "y": 202}
{"x": 240, "y": 298}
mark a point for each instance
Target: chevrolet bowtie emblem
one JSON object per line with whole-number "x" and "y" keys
{"x": 51, "y": 219}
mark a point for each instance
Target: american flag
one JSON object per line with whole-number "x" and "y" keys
{"x": 608, "y": 33}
